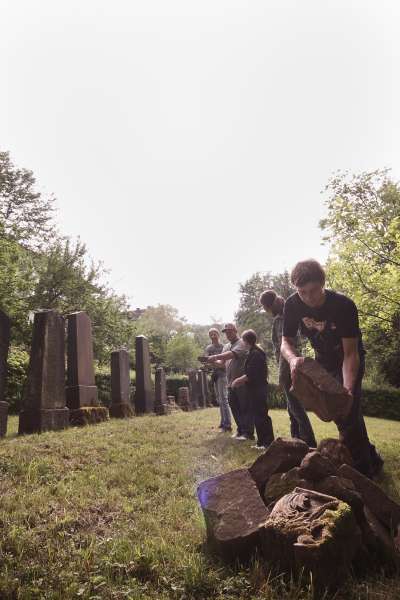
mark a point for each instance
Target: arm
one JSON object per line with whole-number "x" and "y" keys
{"x": 351, "y": 363}
{"x": 239, "y": 381}
{"x": 289, "y": 352}
{"x": 224, "y": 356}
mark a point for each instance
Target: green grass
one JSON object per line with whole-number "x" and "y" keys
{"x": 110, "y": 512}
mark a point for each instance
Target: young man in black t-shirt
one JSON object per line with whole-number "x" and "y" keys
{"x": 330, "y": 321}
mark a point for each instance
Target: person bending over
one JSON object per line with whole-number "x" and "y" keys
{"x": 330, "y": 321}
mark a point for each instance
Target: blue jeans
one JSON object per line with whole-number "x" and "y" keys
{"x": 221, "y": 394}
{"x": 300, "y": 426}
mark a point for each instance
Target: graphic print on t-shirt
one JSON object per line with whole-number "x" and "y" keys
{"x": 312, "y": 324}
{"x": 318, "y": 325}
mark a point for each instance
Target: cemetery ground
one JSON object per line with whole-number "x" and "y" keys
{"x": 110, "y": 512}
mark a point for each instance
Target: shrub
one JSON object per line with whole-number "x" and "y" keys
{"x": 18, "y": 361}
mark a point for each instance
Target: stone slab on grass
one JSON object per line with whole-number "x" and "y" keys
{"x": 234, "y": 513}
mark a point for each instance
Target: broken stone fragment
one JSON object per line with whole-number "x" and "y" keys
{"x": 336, "y": 451}
{"x": 378, "y": 540}
{"x": 280, "y": 456}
{"x": 234, "y": 513}
{"x": 319, "y": 392}
{"x": 385, "y": 509}
{"x": 314, "y": 467}
{"x": 312, "y": 531}
{"x": 280, "y": 484}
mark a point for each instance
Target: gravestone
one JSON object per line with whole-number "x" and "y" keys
{"x": 81, "y": 388}
{"x": 312, "y": 532}
{"x": 193, "y": 389}
{"x": 184, "y": 399}
{"x": 44, "y": 401}
{"x": 120, "y": 406}
{"x": 201, "y": 394}
{"x": 161, "y": 404}
{"x": 234, "y": 513}
{"x": 4, "y": 346}
{"x": 144, "y": 396}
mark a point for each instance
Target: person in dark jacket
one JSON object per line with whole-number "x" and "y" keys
{"x": 300, "y": 426}
{"x": 255, "y": 379}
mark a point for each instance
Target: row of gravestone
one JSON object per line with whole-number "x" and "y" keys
{"x": 50, "y": 405}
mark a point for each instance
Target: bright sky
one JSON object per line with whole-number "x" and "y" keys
{"x": 187, "y": 142}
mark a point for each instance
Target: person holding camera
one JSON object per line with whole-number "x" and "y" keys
{"x": 218, "y": 379}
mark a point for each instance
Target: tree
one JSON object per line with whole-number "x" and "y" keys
{"x": 159, "y": 323}
{"x": 363, "y": 229}
{"x": 182, "y": 352}
{"x": 250, "y": 315}
{"x": 27, "y": 216}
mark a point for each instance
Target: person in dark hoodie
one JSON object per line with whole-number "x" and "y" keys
{"x": 255, "y": 379}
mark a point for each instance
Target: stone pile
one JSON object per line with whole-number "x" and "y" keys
{"x": 304, "y": 510}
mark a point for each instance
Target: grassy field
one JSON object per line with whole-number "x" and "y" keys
{"x": 110, "y": 512}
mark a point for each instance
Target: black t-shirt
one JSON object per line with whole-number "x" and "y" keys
{"x": 324, "y": 326}
{"x": 256, "y": 368}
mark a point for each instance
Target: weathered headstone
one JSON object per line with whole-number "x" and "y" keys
{"x": 144, "y": 396}
{"x": 318, "y": 391}
{"x": 120, "y": 406}
{"x": 205, "y": 387}
{"x": 313, "y": 532}
{"x": 193, "y": 389}
{"x": 44, "y": 401}
{"x": 4, "y": 347}
{"x": 161, "y": 404}
{"x": 184, "y": 399}
{"x": 81, "y": 388}
{"x": 234, "y": 513}
{"x": 201, "y": 391}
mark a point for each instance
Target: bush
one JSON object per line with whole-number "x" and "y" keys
{"x": 381, "y": 402}
{"x": 18, "y": 361}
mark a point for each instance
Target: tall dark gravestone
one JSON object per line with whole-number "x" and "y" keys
{"x": 120, "y": 406}
{"x": 193, "y": 388}
{"x": 204, "y": 385}
{"x": 161, "y": 404}
{"x": 4, "y": 347}
{"x": 81, "y": 388}
{"x": 44, "y": 400}
{"x": 144, "y": 396}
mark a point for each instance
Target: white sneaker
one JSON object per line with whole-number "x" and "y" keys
{"x": 242, "y": 437}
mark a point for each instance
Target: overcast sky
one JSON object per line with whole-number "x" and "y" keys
{"x": 187, "y": 142}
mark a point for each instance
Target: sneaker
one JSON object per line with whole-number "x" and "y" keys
{"x": 241, "y": 437}
{"x": 235, "y": 435}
